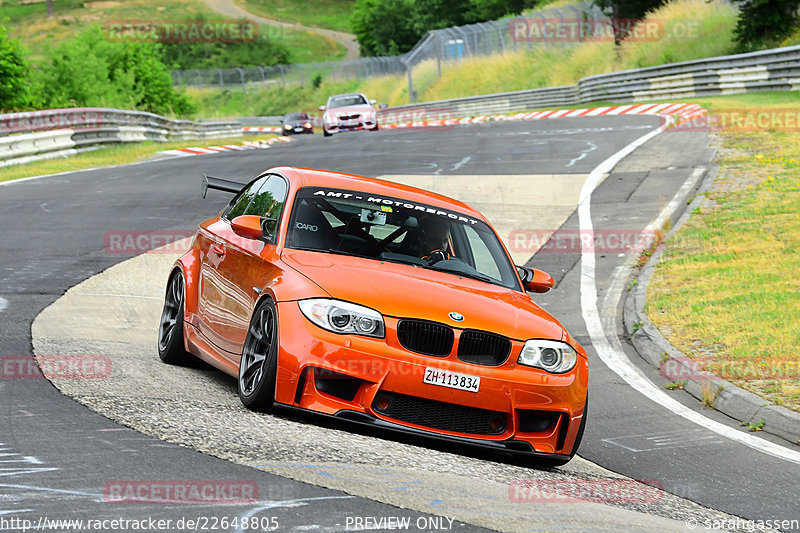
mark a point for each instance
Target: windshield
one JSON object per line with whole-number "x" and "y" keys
{"x": 346, "y": 100}
{"x": 294, "y": 116}
{"x": 396, "y": 230}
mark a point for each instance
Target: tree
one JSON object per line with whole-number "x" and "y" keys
{"x": 765, "y": 22}
{"x": 15, "y": 90}
{"x": 384, "y": 27}
{"x": 437, "y": 14}
{"x": 483, "y": 10}
{"x": 390, "y": 27}
{"x": 624, "y": 13}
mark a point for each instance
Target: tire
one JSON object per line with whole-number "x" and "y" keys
{"x": 170, "y": 331}
{"x": 259, "y": 364}
{"x": 561, "y": 461}
{"x": 326, "y": 133}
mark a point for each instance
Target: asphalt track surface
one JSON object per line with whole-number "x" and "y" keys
{"x": 60, "y": 455}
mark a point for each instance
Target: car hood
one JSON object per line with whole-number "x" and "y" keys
{"x": 404, "y": 291}
{"x": 350, "y": 110}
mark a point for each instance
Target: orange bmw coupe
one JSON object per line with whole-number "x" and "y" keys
{"x": 381, "y": 304}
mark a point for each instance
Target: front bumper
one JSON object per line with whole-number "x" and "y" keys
{"x": 360, "y": 124}
{"x": 296, "y": 130}
{"x": 356, "y": 378}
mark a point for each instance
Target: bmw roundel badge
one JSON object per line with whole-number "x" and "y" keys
{"x": 458, "y": 317}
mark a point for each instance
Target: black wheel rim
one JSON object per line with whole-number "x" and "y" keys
{"x": 256, "y": 351}
{"x": 173, "y": 303}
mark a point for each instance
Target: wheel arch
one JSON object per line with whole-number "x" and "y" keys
{"x": 189, "y": 267}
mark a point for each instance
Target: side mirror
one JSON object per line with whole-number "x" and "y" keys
{"x": 253, "y": 227}
{"x": 535, "y": 280}
{"x": 372, "y": 101}
{"x": 322, "y": 108}
{"x": 248, "y": 226}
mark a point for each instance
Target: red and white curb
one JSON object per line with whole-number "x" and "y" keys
{"x": 246, "y": 145}
{"x": 682, "y": 112}
{"x": 262, "y": 129}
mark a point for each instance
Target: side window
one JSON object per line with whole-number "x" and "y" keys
{"x": 239, "y": 204}
{"x": 482, "y": 255}
{"x": 269, "y": 201}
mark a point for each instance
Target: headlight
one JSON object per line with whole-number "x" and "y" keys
{"x": 553, "y": 356}
{"x": 330, "y": 119}
{"x": 287, "y": 126}
{"x": 343, "y": 317}
{"x": 308, "y": 125}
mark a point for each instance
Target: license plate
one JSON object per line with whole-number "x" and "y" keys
{"x": 353, "y": 122}
{"x": 454, "y": 380}
{"x": 298, "y": 129}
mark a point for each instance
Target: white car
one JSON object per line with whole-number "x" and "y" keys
{"x": 348, "y": 112}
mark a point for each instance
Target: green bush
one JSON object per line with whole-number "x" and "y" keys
{"x": 261, "y": 51}
{"x": 392, "y": 27}
{"x": 91, "y": 71}
{"x": 15, "y": 91}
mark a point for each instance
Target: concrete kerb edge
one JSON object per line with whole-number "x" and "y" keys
{"x": 653, "y": 347}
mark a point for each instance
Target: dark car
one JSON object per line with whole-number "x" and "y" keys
{"x": 297, "y": 123}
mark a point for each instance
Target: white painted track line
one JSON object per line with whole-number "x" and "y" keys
{"x": 609, "y": 349}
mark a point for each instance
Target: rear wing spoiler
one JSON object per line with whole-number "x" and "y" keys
{"x": 219, "y": 184}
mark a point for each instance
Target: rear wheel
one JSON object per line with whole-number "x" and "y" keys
{"x": 259, "y": 363}
{"x": 170, "y": 331}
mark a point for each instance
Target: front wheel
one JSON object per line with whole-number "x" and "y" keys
{"x": 259, "y": 363}
{"x": 326, "y": 133}
{"x": 170, "y": 331}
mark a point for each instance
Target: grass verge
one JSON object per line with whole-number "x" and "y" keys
{"x": 29, "y": 22}
{"x": 331, "y": 14}
{"x": 110, "y": 156}
{"x": 727, "y": 292}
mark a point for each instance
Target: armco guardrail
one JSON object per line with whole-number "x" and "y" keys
{"x": 774, "y": 70}
{"x": 59, "y": 132}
